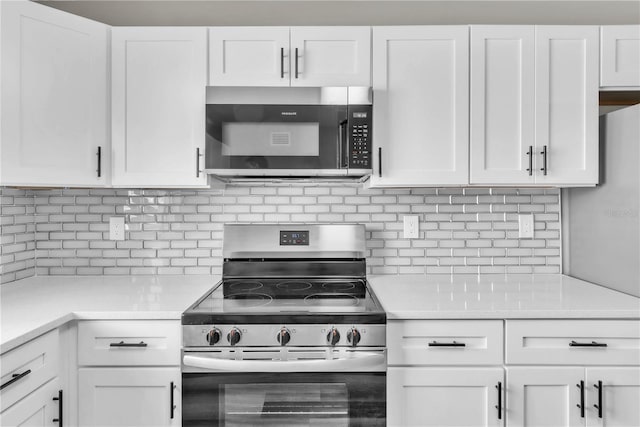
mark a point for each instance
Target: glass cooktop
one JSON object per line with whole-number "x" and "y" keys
{"x": 288, "y": 300}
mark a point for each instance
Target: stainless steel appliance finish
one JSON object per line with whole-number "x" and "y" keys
{"x": 325, "y": 241}
{"x": 291, "y": 336}
{"x": 289, "y": 132}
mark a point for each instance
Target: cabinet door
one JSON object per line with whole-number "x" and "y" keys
{"x": 539, "y": 397}
{"x": 129, "y": 397}
{"x": 620, "y": 55}
{"x": 567, "y": 105}
{"x": 620, "y": 396}
{"x": 158, "y": 84}
{"x": 54, "y": 97}
{"x": 502, "y": 104}
{"x": 249, "y": 56}
{"x": 331, "y": 56}
{"x": 444, "y": 397}
{"x": 38, "y": 409}
{"x": 421, "y": 114}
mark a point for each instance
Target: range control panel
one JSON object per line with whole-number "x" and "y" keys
{"x": 360, "y": 136}
{"x": 294, "y": 238}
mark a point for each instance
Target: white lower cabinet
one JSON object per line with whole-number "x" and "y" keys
{"x": 129, "y": 373}
{"x": 573, "y": 396}
{"x": 588, "y": 389}
{"x": 39, "y": 409}
{"x": 434, "y": 378}
{"x": 445, "y": 396}
{"x": 544, "y": 396}
{"x": 32, "y": 380}
{"x": 133, "y": 396}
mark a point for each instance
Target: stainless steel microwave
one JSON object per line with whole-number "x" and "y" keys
{"x": 288, "y": 132}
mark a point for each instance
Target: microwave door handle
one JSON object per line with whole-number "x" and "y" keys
{"x": 342, "y": 150}
{"x": 354, "y": 361}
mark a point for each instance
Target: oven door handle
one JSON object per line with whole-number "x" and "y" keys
{"x": 357, "y": 361}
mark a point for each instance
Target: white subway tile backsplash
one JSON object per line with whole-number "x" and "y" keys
{"x": 462, "y": 230}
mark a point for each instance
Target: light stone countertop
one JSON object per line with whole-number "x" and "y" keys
{"x": 515, "y": 296}
{"x": 33, "y": 306}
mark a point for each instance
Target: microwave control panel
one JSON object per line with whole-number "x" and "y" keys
{"x": 360, "y": 136}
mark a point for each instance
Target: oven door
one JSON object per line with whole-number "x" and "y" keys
{"x": 249, "y": 139}
{"x": 225, "y": 392}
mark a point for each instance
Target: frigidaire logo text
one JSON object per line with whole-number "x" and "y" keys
{"x": 289, "y": 113}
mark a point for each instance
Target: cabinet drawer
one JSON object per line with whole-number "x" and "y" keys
{"x": 27, "y": 367}
{"x": 573, "y": 342}
{"x": 130, "y": 342}
{"x": 435, "y": 342}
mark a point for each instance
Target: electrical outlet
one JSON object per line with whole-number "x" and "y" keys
{"x": 116, "y": 228}
{"x": 411, "y": 226}
{"x": 525, "y": 224}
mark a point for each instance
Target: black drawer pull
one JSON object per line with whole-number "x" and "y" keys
{"x": 60, "y": 406}
{"x": 581, "y": 405}
{"x": 587, "y": 344}
{"x": 15, "y": 377}
{"x": 447, "y": 344}
{"x": 128, "y": 344}
{"x": 499, "y": 405}
{"x": 599, "y": 405}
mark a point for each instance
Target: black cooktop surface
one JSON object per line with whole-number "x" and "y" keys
{"x": 299, "y": 300}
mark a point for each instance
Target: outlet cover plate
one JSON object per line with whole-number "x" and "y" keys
{"x": 411, "y": 224}
{"x": 525, "y": 226}
{"x": 116, "y": 228}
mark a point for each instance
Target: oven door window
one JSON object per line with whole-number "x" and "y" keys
{"x": 275, "y": 136}
{"x": 292, "y": 399}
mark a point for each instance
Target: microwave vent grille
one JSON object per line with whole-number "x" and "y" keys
{"x": 280, "y": 138}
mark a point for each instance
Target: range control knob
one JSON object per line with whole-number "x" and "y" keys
{"x": 234, "y": 336}
{"x": 214, "y": 336}
{"x": 353, "y": 336}
{"x": 284, "y": 336}
{"x": 333, "y": 337}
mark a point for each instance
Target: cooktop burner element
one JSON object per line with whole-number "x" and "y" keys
{"x": 294, "y": 285}
{"x": 338, "y": 286}
{"x": 244, "y": 285}
{"x": 332, "y": 299}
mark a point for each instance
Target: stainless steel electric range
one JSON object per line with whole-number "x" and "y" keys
{"x": 291, "y": 336}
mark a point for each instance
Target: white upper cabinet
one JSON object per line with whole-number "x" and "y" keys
{"x": 502, "y": 104}
{"x": 54, "y": 97}
{"x": 620, "y": 56}
{"x": 566, "y": 105}
{"x": 534, "y": 105}
{"x": 330, "y": 56}
{"x": 421, "y": 106}
{"x": 283, "y": 56}
{"x": 249, "y": 56}
{"x": 158, "y": 106}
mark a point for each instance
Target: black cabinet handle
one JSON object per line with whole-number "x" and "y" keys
{"x": 171, "y": 403}
{"x": 530, "y": 154}
{"x": 380, "y": 162}
{"x": 599, "y": 405}
{"x": 14, "y": 378}
{"x": 544, "y": 159}
{"x": 581, "y": 405}
{"x": 296, "y": 63}
{"x": 587, "y": 344}
{"x": 128, "y": 344}
{"x": 99, "y": 154}
{"x": 447, "y": 344}
{"x": 499, "y": 405}
{"x": 59, "y": 399}
{"x": 198, "y": 155}
{"x": 282, "y": 63}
